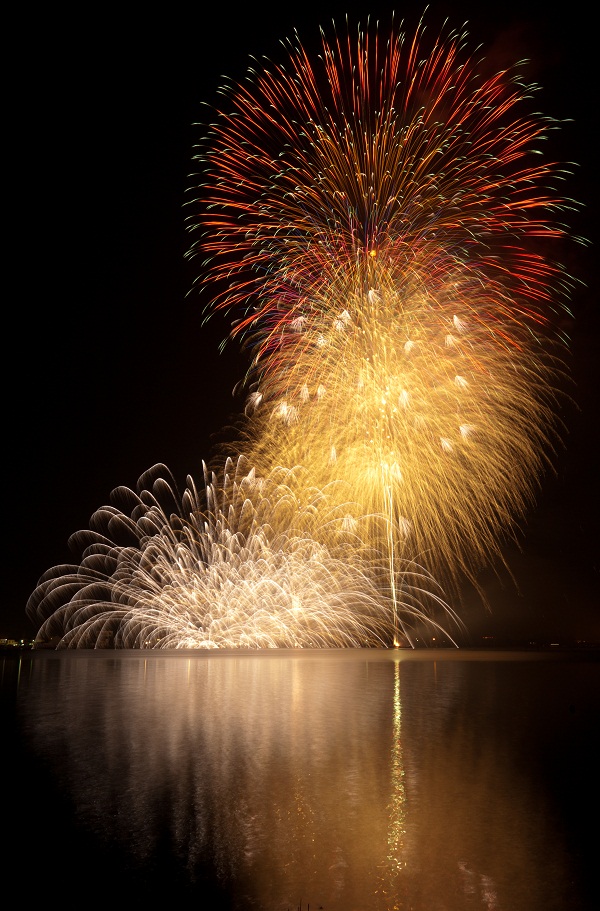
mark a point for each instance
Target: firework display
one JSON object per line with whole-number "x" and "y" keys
{"x": 378, "y": 224}
{"x": 377, "y": 221}
{"x": 232, "y": 565}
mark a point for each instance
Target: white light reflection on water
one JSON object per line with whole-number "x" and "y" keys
{"x": 344, "y": 779}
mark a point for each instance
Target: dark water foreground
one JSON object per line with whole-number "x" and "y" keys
{"x": 343, "y": 780}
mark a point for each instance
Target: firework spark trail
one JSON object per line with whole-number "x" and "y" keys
{"x": 234, "y": 565}
{"x": 377, "y": 226}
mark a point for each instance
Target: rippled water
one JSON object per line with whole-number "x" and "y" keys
{"x": 278, "y": 780}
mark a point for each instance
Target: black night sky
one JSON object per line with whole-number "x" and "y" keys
{"x": 107, "y": 366}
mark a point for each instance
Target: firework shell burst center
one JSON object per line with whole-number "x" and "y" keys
{"x": 381, "y": 227}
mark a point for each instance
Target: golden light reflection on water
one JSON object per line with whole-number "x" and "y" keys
{"x": 347, "y": 780}
{"x": 397, "y": 807}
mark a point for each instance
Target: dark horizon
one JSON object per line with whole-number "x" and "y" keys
{"x": 110, "y": 368}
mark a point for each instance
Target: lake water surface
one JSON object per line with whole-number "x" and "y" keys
{"x": 351, "y": 780}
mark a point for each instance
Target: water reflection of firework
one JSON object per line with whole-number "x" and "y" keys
{"x": 237, "y": 564}
{"x": 376, "y": 779}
